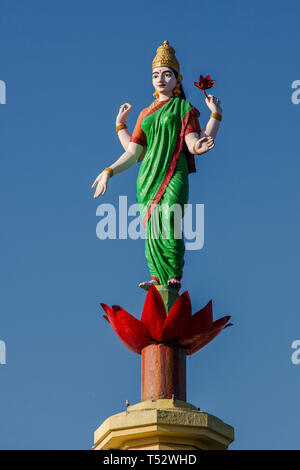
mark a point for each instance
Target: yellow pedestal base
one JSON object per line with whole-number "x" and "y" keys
{"x": 163, "y": 425}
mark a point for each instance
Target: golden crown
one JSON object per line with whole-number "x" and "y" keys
{"x": 165, "y": 57}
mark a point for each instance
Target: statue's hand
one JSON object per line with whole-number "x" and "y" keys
{"x": 213, "y": 104}
{"x": 123, "y": 113}
{"x": 101, "y": 181}
{"x": 204, "y": 144}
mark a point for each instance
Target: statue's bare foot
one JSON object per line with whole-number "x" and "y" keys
{"x": 147, "y": 284}
{"x": 174, "y": 283}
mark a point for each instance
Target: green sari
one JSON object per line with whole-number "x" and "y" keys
{"x": 162, "y": 182}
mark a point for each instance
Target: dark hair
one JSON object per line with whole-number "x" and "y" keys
{"x": 180, "y": 86}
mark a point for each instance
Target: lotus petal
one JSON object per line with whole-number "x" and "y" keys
{"x": 200, "y": 322}
{"x": 129, "y": 329}
{"x": 179, "y": 316}
{"x": 111, "y": 319}
{"x": 221, "y": 322}
{"x": 154, "y": 314}
{"x": 201, "y": 340}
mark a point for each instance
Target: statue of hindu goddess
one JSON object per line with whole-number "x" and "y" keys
{"x": 166, "y": 137}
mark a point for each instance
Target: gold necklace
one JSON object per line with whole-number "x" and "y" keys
{"x": 157, "y": 102}
{"x": 153, "y": 104}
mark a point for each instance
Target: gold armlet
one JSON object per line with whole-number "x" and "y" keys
{"x": 217, "y": 116}
{"x": 110, "y": 171}
{"x": 121, "y": 126}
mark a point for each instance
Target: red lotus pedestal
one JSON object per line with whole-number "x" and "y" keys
{"x": 166, "y": 319}
{"x": 166, "y": 333}
{"x": 163, "y": 372}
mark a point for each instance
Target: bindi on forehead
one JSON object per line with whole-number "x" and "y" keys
{"x": 162, "y": 70}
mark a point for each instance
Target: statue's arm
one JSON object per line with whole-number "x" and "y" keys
{"x": 197, "y": 145}
{"x": 212, "y": 127}
{"x": 124, "y": 134}
{"x": 204, "y": 141}
{"x": 124, "y": 137}
{"x": 126, "y": 160}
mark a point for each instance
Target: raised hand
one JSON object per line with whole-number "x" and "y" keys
{"x": 101, "y": 181}
{"x": 123, "y": 113}
{"x": 214, "y": 104}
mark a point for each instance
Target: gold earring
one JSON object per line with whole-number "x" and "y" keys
{"x": 176, "y": 90}
{"x": 155, "y": 94}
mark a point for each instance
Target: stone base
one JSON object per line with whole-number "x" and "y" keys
{"x": 163, "y": 425}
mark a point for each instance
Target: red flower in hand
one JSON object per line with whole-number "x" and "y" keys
{"x": 204, "y": 83}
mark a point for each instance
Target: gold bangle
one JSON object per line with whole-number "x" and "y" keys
{"x": 110, "y": 171}
{"x": 194, "y": 150}
{"x": 217, "y": 116}
{"x": 121, "y": 126}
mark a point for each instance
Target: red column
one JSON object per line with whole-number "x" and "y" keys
{"x": 163, "y": 372}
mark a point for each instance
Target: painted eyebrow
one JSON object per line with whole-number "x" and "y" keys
{"x": 164, "y": 71}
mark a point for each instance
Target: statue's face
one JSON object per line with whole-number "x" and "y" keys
{"x": 163, "y": 79}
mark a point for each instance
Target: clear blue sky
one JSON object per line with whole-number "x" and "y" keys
{"x": 68, "y": 66}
